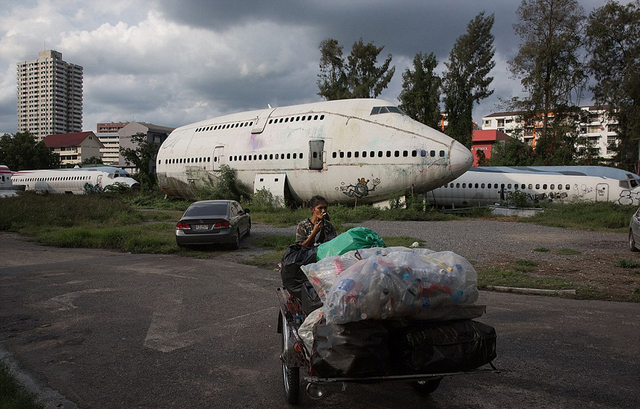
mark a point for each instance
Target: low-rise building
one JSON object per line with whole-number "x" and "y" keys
{"x": 111, "y": 150}
{"x": 485, "y": 140}
{"x": 154, "y": 134}
{"x": 595, "y": 125}
{"x": 74, "y": 148}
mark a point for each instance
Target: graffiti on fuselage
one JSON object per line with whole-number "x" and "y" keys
{"x": 360, "y": 189}
{"x": 629, "y": 197}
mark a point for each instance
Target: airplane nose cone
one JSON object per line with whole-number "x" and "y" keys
{"x": 461, "y": 159}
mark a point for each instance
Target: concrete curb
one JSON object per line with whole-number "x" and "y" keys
{"x": 530, "y": 291}
{"x": 48, "y": 397}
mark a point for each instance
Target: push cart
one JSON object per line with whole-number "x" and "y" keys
{"x": 296, "y": 357}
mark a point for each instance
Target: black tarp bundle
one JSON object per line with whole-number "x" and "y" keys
{"x": 295, "y": 256}
{"x": 390, "y": 347}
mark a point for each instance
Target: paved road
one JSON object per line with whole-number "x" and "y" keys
{"x": 114, "y": 330}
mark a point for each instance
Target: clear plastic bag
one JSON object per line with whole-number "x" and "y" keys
{"x": 399, "y": 284}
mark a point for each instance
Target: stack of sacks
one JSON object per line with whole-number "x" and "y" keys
{"x": 393, "y": 282}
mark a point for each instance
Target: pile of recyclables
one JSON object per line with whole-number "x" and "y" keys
{"x": 392, "y": 310}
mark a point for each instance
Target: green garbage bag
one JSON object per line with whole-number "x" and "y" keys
{"x": 352, "y": 239}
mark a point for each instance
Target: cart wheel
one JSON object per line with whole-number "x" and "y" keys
{"x": 290, "y": 376}
{"x": 426, "y": 388}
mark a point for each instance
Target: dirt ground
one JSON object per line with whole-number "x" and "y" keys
{"x": 601, "y": 275}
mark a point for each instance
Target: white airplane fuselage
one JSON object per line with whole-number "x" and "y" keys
{"x": 72, "y": 181}
{"x": 484, "y": 186}
{"x": 5, "y": 178}
{"x": 343, "y": 150}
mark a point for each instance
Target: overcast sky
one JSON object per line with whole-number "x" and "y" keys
{"x": 172, "y": 62}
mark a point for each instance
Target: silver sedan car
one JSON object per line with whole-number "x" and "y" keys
{"x": 634, "y": 231}
{"x": 213, "y": 222}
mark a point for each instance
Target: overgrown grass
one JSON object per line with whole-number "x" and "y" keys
{"x": 585, "y": 216}
{"x": 141, "y": 238}
{"x": 275, "y": 242}
{"x": 627, "y": 263}
{"x": 13, "y": 394}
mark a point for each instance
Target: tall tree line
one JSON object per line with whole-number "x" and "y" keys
{"x": 550, "y": 64}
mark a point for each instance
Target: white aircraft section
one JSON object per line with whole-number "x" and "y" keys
{"x": 5, "y": 178}
{"x": 483, "y": 186}
{"x": 358, "y": 150}
{"x": 6, "y": 187}
{"x": 72, "y": 181}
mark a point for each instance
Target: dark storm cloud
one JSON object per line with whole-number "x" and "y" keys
{"x": 403, "y": 27}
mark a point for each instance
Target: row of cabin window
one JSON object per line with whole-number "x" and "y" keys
{"x": 271, "y": 156}
{"x": 235, "y": 158}
{"x": 296, "y": 119}
{"x": 508, "y": 186}
{"x": 54, "y": 179}
{"x": 225, "y": 126}
{"x": 185, "y": 160}
{"x": 372, "y": 154}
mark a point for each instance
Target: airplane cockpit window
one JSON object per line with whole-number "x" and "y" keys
{"x": 633, "y": 182}
{"x": 386, "y": 110}
{"x": 624, "y": 184}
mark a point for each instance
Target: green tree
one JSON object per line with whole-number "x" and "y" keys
{"x": 549, "y": 66}
{"x": 94, "y": 160}
{"x": 612, "y": 42}
{"x": 512, "y": 152}
{"x": 358, "y": 77}
{"x": 332, "y": 80}
{"x": 482, "y": 158}
{"x": 21, "y": 151}
{"x": 142, "y": 157}
{"x": 420, "y": 96}
{"x": 467, "y": 80}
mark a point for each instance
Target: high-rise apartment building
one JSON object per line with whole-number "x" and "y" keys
{"x": 49, "y": 95}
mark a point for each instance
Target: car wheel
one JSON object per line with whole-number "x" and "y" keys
{"x": 426, "y": 388}
{"x": 236, "y": 243}
{"x": 632, "y": 242}
{"x": 249, "y": 229}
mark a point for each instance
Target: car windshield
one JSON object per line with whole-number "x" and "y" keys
{"x": 207, "y": 209}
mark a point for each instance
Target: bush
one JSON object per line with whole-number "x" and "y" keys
{"x": 263, "y": 198}
{"x": 518, "y": 199}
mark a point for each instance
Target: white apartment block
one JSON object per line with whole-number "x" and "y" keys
{"x": 111, "y": 150}
{"x": 49, "y": 95}
{"x": 595, "y": 124}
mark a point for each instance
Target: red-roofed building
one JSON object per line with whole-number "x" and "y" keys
{"x": 74, "y": 148}
{"x": 484, "y": 141}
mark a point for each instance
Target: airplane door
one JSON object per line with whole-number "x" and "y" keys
{"x": 261, "y": 122}
{"x": 602, "y": 192}
{"x": 218, "y": 155}
{"x": 316, "y": 160}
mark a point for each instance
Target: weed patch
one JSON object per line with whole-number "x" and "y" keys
{"x": 13, "y": 394}
{"x": 542, "y": 249}
{"x": 276, "y": 242}
{"x": 627, "y": 263}
{"x": 585, "y": 216}
{"x": 526, "y": 263}
{"x": 494, "y": 276}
